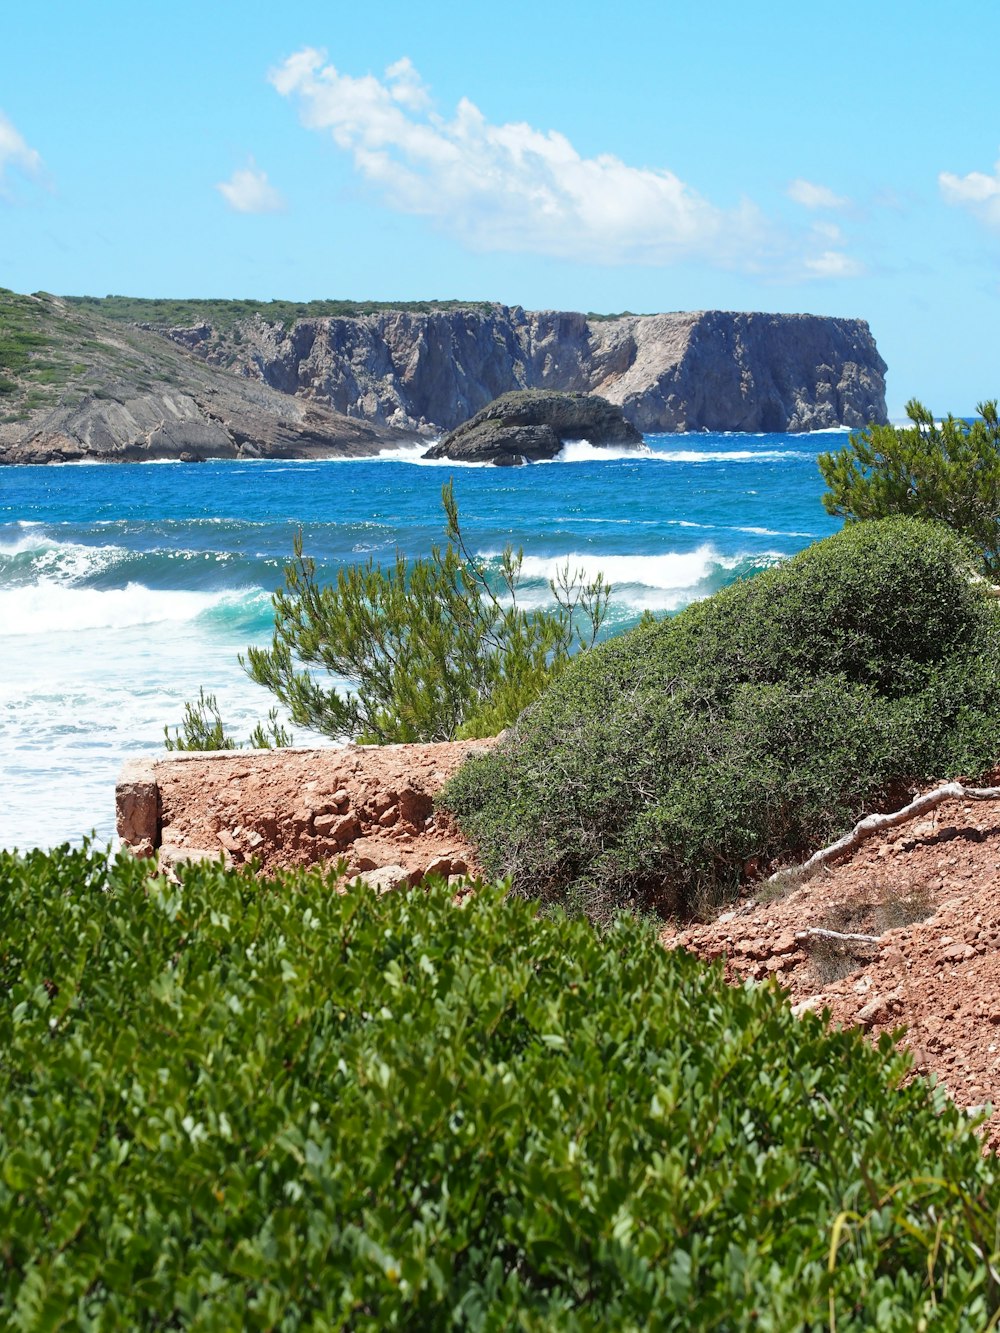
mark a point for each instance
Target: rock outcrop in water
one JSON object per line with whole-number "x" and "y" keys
{"x": 711, "y": 370}
{"x": 531, "y": 424}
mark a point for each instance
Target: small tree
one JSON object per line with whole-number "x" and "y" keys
{"x": 950, "y": 473}
{"x": 202, "y": 728}
{"x": 433, "y": 649}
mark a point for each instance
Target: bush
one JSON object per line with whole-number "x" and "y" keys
{"x": 432, "y": 650}
{"x": 240, "y": 1104}
{"x": 202, "y": 728}
{"x": 949, "y": 473}
{"x": 759, "y": 723}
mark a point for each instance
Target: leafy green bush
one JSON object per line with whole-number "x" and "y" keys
{"x": 433, "y": 651}
{"x": 267, "y": 1105}
{"x": 948, "y": 472}
{"x": 755, "y": 724}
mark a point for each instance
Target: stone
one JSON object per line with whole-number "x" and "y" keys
{"x": 385, "y": 878}
{"x": 137, "y": 803}
{"x": 345, "y": 829}
{"x": 954, "y": 953}
{"x": 711, "y": 369}
{"x": 535, "y": 425}
{"x": 872, "y": 1012}
{"x": 171, "y": 854}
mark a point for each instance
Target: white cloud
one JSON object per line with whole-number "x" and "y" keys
{"x": 249, "y": 191}
{"x": 828, "y": 232}
{"x": 512, "y": 187}
{"x": 406, "y": 85}
{"x": 16, "y": 154}
{"x": 833, "y": 264}
{"x": 810, "y": 195}
{"x": 977, "y": 192}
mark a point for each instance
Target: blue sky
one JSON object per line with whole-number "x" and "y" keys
{"x": 646, "y": 156}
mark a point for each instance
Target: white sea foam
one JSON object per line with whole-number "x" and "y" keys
{"x": 53, "y": 608}
{"x": 772, "y": 532}
{"x": 728, "y": 455}
{"x": 671, "y": 570}
{"x": 414, "y": 453}
{"x": 63, "y": 561}
{"x": 582, "y": 451}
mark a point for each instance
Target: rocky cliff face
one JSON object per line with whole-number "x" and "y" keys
{"x": 88, "y": 389}
{"x": 713, "y": 370}
{"x": 77, "y": 383}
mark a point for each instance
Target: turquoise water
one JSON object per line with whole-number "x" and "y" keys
{"x": 123, "y": 588}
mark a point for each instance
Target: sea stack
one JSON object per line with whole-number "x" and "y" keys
{"x": 532, "y": 425}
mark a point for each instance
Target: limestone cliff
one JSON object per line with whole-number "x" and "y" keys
{"x": 713, "y": 370}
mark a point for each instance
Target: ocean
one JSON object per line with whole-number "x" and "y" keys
{"x": 124, "y": 588}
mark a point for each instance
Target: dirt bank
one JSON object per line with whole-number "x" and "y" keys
{"x": 371, "y": 806}
{"x": 930, "y": 892}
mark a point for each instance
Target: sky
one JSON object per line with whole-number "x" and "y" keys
{"x": 646, "y": 156}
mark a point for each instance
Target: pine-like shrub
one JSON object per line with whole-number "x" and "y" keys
{"x": 756, "y": 724}
{"x": 268, "y": 1105}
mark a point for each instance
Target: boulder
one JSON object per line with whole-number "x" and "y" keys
{"x": 533, "y": 425}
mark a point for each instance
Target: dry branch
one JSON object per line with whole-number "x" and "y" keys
{"x": 818, "y": 932}
{"x": 873, "y": 824}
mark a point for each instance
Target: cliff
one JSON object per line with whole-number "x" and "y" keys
{"x": 86, "y": 378}
{"x": 74, "y": 385}
{"x": 710, "y": 370}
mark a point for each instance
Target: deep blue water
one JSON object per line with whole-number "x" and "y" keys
{"x": 125, "y": 587}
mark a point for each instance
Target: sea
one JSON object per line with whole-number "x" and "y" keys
{"x": 124, "y": 588}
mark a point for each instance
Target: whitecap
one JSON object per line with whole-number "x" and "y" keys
{"x": 729, "y": 455}
{"x": 670, "y": 570}
{"x": 54, "y": 608}
{"x": 582, "y": 451}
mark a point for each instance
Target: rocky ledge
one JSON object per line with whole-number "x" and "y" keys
{"x": 369, "y": 806}
{"x": 533, "y": 425}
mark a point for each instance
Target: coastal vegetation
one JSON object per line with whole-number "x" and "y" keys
{"x": 224, "y": 315}
{"x": 947, "y": 471}
{"x": 434, "y": 649}
{"x": 202, "y": 728}
{"x": 663, "y": 768}
{"x": 52, "y": 353}
{"x": 233, "y": 1102}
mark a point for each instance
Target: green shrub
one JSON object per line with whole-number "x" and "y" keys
{"x": 755, "y": 724}
{"x": 949, "y": 473}
{"x": 240, "y": 1104}
{"x": 433, "y": 650}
